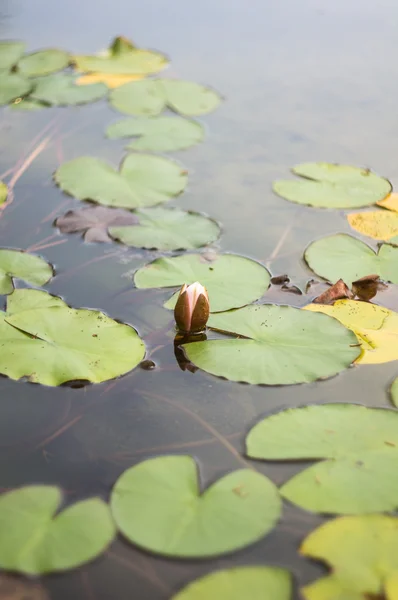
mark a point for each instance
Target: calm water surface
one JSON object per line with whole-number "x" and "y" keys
{"x": 303, "y": 81}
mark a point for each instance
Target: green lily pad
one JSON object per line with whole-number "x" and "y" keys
{"x": 143, "y": 180}
{"x": 281, "y": 347}
{"x": 27, "y": 104}
{"x": 21, "y": 265}
{"x": 10, "y": 53}
{"x": 60, "y": 90}
{"x": 362, "y": 551}
{"x": 149, "y": 98}
{"x": 3, "y": 192}
{"x": 327, "y": 185}
{"x": 342, "y": 256}
{"x": 132, "y": 62}
{"x": 54, "y": 343}
{"x": 394, "y": 392}
{"x": 34, "y": 541}
{"x": 43, "y": 62}
{"x": 359, "y": 443}
{"x": 231, "y": 280}
{"x": 162, "y": 134}
{"x": 254, "y": 583}
{"x": 13, "y": 86}
{"x": 167, "y": 229}
{"x": 158, "y": 506}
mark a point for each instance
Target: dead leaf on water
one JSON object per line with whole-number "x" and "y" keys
{"x": 338, "y": 291}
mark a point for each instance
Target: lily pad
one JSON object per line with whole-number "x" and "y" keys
{"x": 143, "y": 180}
{"x": 279, "y": 347}
{"x": 167, "y": 229}
{"x": 231, "y": 280}
{"x": 359, "y": 443}
{"x": 376, "y": 328}
{"x": 331, "y": 588}
{"x": 256, "y": 583}
{"x": 35, "y": 541}
{"x": 56, "y": 343}
{"x": 342, "y": 256}
{"x": 379, "y": 225}
{"x": 149, "y": 98}
{"x": 61, "y": 90}
{"x": 362, "y": 551}
{"x": 162, "y": 134}
{"x": 3, "y": 192}
{"x": 13, "y": 86}
{"x": 27, "y": 104}
{"x": 327, "y": 185}
{"x": 43, "y": 62}
{"x": 111, "y": 81}
{"x": 394, "y": 392}
{"x": 158, "y": 506}
{"x": 21, "y": 265}
{"x": 10, "y": 53}
{"x": 93, "y": 222}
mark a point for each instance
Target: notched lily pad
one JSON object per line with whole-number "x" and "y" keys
{"x": 219, "y": 275}
{"x": 328, "y": 185}
{"x": 158, "y": 505}
{"x": 167, "y": 229}
{"x": 93, "y": 222}
{"x": 61, "y": 90}
{"x": 13, "y": 86}
{"x": 274, "y": 345}
{"x": 35, "y": 541}
{"x": 360, "y": 448}
{"x": 43, "y": 62}
{"x": 143, "y": 180}
{"x": 21, "y": 265}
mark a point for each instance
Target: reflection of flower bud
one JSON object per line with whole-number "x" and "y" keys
{"x": 192, "y": 308}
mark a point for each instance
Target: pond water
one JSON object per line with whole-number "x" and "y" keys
{"x": 303, "y": 81}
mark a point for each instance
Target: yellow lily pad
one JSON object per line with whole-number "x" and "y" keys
{"x": 375, "y": 327}
{"x": 380, "y": 224}
{"x": 391, "y": 202}
{"x": 112, "y": 80}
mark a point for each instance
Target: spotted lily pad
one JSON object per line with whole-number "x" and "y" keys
{"x": 22, "y": 265}
{"x": 167, "y": 229}
{"x": 360, "y": 446}
{"x": 158, "y": 506}
{"x": 13, "y": 86}
{"x": 51, "y": 343}
{"x": 43, "y": 62}
{"x": 161, "y": 134}
{"x": 35, "y": 541}
{"x": 274, "y": 345}
{"x": 327, "y": 185}
{"x": 362, "y": 551}
{"x": 231, "y": 280}
{"x": 342, "y": 256}
{"x": 143, "y": 180}
{"x": 256, "y": 583}
{"x": 93, "y": 222}
{"x": 10, "y": 53}
{"x": 3, "y": 192}
{"x": 60, "y": 90}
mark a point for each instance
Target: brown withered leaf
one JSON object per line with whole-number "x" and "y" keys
{"x": 280, "y": 279}
{"x": 12, "y": 588}
{"x": 94, "y": 221}
{"x": 338, "y": 291}
{"x": 367, "y": 287}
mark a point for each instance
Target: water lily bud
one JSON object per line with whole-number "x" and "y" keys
{"x": 192, "y": 309}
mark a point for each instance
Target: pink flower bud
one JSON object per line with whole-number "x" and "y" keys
{"x": 192, "y": 308}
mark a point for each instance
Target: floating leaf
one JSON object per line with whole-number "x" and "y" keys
{"x": 327, "y": 185}
{"x": 13, "y": 86}
{"x": 111, "y": 81}
{"x": 93, "y": 222}
{"x": 34, "y": 541}
{"x": 134, "y": 61}
{"x": 61, "y": 90}
{"x": 362, "y": 551}
{"x": 280, "y": 346}
{"x": 167, "y": 229}
{"x": 337, "y": 291}
{"x": 360, "y": 443}
{"x": 21, "y": 265}
{"x": 379, "y": 225}
{"x": 254, "y": 583}
{"x": 10, "y": 53}
{"x": 162, "y": 134}
{"x": 43, "y": 62}
{"x": 27, "y": 104}
{"x": 231, "y": 280}
{"x": 56, "y": 344}
{"x": 143, "y": 180}
{"x": 331, "y": 588}
{"x": 158, "y": 505}
{"x": 342, "y": 256}
{"x": 394, "y": 392}
{"x": 149, "y": 98}
{"x": 3, "y": 192}
{"x": 391, "y": 202}
{"x": 375, "y": 327}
